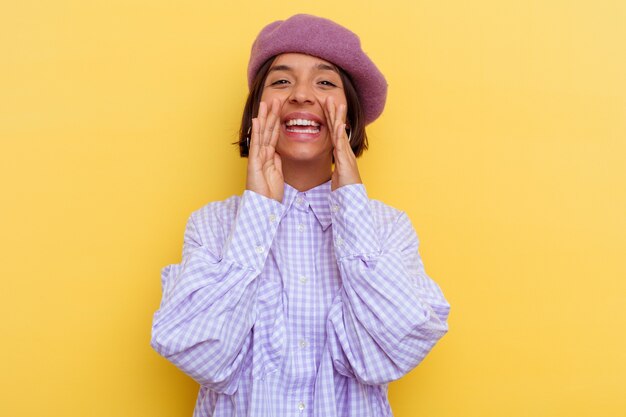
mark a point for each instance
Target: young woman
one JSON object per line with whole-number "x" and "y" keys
{"x": 302, "y": 297}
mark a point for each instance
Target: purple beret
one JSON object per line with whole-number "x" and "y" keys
{"x": 324, "y": 39}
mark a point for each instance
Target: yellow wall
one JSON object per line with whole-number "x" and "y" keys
{"x": 504, "y": 139}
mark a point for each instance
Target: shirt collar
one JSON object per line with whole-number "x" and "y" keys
{"x": 316, "y": 198}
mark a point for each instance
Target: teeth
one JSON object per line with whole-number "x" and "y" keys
{"x": 302, "y": 122}
{"x": 304, "y": 130}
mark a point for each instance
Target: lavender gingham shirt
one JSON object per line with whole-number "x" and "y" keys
{"x": 305, "y": 308}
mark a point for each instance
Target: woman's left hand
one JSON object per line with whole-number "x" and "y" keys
{"x": 346, "y": 170}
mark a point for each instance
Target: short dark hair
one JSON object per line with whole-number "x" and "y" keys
{"x": 355, "y": 118}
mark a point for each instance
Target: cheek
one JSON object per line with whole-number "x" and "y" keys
{"x": 340, "y": 98}
{"x": 337, "y": 95}
{"x": 268, "y": 95}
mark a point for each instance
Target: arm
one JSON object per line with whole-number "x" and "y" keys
{"x": 204, "y": 322}
{"x": 389, "y": 313}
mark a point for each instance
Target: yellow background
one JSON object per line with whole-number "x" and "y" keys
{"x": 504, "y": 138}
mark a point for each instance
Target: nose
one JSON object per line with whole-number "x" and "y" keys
{"x": 301, "y": 94}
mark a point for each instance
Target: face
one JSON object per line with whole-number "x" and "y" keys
{"x": 302, "y": 83}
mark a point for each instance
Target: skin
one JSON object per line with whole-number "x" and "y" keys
{"x": 302, "y": 84}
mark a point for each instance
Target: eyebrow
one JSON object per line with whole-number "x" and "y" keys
{"x": 320, "y": 67}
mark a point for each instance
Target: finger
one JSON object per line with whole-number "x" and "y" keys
{"x": 339, "y": 121}
{"x": 341, "y": 114}
{"x": 330, "y": 102}
{"x": 345, "y": 147}
{"x": 328, "y": 113}
{"x": 262, "y": 116}
{"x": 341, "y": 117}
{"x": 254, "y": 139}
{"x": 327, "y": 118}
{"x": 270, "y": 126}
{"x": 276, "y": 127}
{"x": 340, "y": 134}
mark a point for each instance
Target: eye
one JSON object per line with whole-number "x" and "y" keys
{"x": 279, "y": 82}
{"x": 327, "y": 83}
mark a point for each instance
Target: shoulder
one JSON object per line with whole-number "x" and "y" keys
{"x": 216, "y": 211}
{"x": 211, "y": 222}
{"x": 393, "y": 224}
{"x": 356, "y": 200}
{"x": 384, "y": 213}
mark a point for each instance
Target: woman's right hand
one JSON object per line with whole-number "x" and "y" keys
{"x": 265, "y": 174}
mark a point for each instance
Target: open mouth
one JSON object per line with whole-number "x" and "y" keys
{"x": 302, "y": 126}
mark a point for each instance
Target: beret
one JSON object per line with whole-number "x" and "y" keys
{"x": 329, "y": 41}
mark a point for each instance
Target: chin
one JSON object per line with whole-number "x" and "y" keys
{"x": 303, "y": 152}
{"x": 303, "y": 155}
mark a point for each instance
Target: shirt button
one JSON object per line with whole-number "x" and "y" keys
{"x": 259, "y": 249}
{"x": 339, "y": 241}
{"x": 300, "y": 228}
{"x": 335, "y": 208}
{"x": 299, "y": 200}
{"x": 272, "y": 218}
{"x": 301, "y": 406}
{"x": 302, "y": 343}
{"x": 302, "y": 279}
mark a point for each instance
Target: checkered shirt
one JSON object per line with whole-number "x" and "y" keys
{"x": 308, "y": 307}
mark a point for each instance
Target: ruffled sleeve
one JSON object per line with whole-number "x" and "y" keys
{"x": 208, "y": 308}
{"x": 388, "y": 314}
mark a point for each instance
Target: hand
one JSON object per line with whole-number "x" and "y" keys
{"x": 265, "y": 174}
{"x": 346, "y": 170}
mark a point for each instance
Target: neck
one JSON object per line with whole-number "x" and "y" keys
{"x": 306, "y": 175}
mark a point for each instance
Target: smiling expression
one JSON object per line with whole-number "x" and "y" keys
{"x": 302, "y": 83}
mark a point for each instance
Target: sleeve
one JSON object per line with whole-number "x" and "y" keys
{"x": 388, "y": 314}
{"x": 204, "y": 322}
